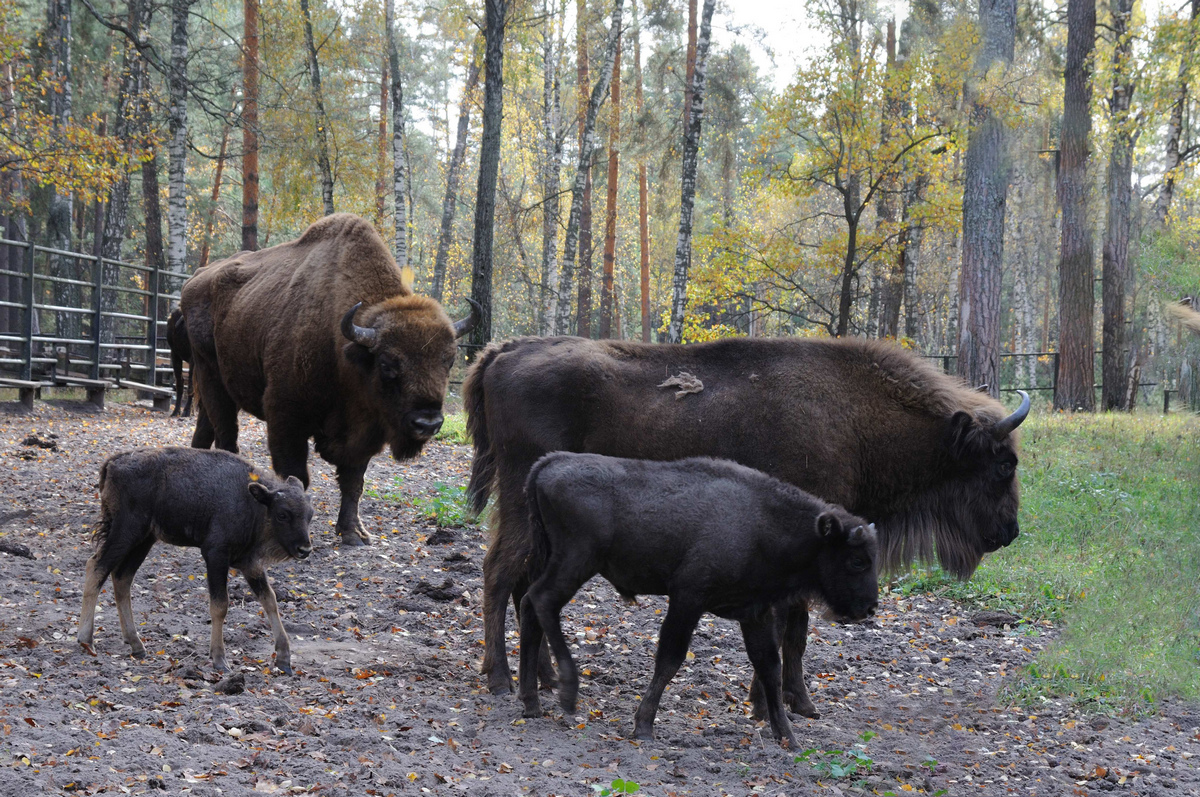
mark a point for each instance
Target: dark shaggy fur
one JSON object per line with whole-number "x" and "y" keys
{"x": 712, "y": 535}
{"x": 181, "y": 352}
{"x": 864, "y": 424}
{"x": 211, "y": 500}
{"x": 266, "y": 331}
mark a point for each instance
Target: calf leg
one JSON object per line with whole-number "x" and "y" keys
{"x": 349, "y": 525}
{"x": 257, "y": 579}
{"x": 218, "y": 605}
{"x": 673, "y": 640}
{"x": 93, "y": 581}
{"x": 122, "y": 579}
{"x": 547, "y": 597}
{"x": 191, "y": 385}
{"x": 545, "y": 668}
{"x": 795, "y": 640}
{"x": 532, "y": 639}
{"x": 762, "y": 646}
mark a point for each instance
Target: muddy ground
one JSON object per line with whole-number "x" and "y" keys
{"x": 387, "y": 696}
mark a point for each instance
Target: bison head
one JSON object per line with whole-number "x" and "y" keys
{"x": 288, "y": 515}
{"x": 405, "y": 353}
{"x": 847, "y": 565}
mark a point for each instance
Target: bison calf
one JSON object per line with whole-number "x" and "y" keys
{"x": 710, "y": 534}
{"x": 212, "y": 500}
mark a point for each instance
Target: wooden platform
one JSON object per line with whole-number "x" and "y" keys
{"x": 26, "y": 390}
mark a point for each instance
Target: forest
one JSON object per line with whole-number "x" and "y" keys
{"x": 974, "y": 181}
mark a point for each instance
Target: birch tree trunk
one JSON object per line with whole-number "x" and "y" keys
{"x": 985, "y": 193}
{"x": 489, "y": 166}
{"x": 643, "y": 189}
{"x": 453, "y": 175}
{"x": 177, "y": 147}
{"x": 399, "y": 155}
{"x": 249, "y": 125}
{"x": 587, "y": 145}
{"x": 610, "y": 215}
{"x": 314, "y": 76}
{"x": 381, "y": 150}
{"x": 1115, "y": 267}
{"x": 1076, "y": 304}
{"x": 1162, "y": 205}
{"x": 552, "y": 145}
{"x": 691, "y": 148}
{"x": 583, "y": 323}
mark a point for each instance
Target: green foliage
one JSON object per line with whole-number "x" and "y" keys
{"x": 454, "y": 429}
{"x": 838, "y": 764}
{"x": 617, "y": 787}
{"x": 447, "y": 506}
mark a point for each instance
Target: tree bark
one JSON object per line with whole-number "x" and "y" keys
{"x": 314, "y": 76}
{"x": 1162, "y": 205}
{"x": 691, "y": 148}
{"x": 216, "y": 197}
{"x": 1115, "y": 268}
{"x": 985, "y": 193}
{"x": 1076, "y": 302}
{"x": 690, "y": 74}
{"x": 891, "y": 272}
{"x": 399, "y": 155}
{"x": 381, "y": 151}
{"x": 489, "y": 166}
{"x": 61, "y": 206}
{"x": 552, "y": 148}
{"x": 453, "y": 175}
{"x": 610, "y": 215}
{"x": 250, "y": 125}
{"x": 643, "y": 189}
{"x": 177, "y": 147}
{"x": 583, "y": 326}
{"x": 587, "y": 145}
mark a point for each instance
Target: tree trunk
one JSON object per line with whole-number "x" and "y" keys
{"x": 177, "y": 147}
{"x": 250, "y": 125}
{"x": 314, "y": 76}
{"x": 985, "y": 193}
{"x": 691, "y": 148}
{"x": 852, "y": 210}
{"x": 489, "y": 167}
{"x": 890, "y": 271}
{"x": 610, "y": 215}
{"x": 552, "y": 145}
{"x": 61, "y": 209}
{"x": 453, "y": 175}
{"x": 643, "y": 190}
{"x": 216, "y": 197}
{"x": 1162, "y": 205}
{"x": 381, "y": 151}
{"x": 587, "y": 145}
{"x": 1076, "y": 295}
{"x": 583, "y": 325}
{"x": 690, "y": 74}
{"x": 399, "y": 155}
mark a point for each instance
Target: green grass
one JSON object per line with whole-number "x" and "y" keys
{"x": 1109, "y": 549}
{"x": 454, "y": 429}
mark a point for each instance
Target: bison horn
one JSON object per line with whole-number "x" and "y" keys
{"x": 1004, "y": 428}
{"x": 465, "y": 325}
{"x": 364, "y": 336}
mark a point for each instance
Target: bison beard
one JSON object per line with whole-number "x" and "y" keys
{"x": 859, "y": 423}
{"x": 275, "y": 333}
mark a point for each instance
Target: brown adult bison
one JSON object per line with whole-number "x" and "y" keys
{"x": 860, "y": 423}
{"x": 273, "y": 333}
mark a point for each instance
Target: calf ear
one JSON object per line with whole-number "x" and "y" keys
{"x": 828, "y": 524}
{"x": 292, "y": 480}
{"x": 259, "y": 493}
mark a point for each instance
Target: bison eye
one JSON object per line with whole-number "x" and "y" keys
{"x": 389, "y": 370}
{"x": 1004, "y": 469}
{"x": 858, "y": 564}
{"x": 281, "y": 517}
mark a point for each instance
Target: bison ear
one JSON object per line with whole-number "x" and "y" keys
{"x": 966, "y": 438}
{"x": 294, "y": 482}
{"x": 259, "y": 492}
{"x": 359, "y": 355}
{"x": 828, "y": 525}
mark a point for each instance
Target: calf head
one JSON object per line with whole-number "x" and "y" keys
{"x": 288, "y": 515}
{"x": 405, "y": 353}
{"x": 847, "y": 565}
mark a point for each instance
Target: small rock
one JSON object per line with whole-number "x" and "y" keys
{"x": 442, "y": 592}
{"x": 1099, "y": 723}
{"x": 232, "y": 685}
{"x": 997, "y": 619}
{"x": 16, "y": 549}
{"x": 441, "y": 537}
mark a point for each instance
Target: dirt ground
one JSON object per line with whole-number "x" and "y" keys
{"x": 387, "y": 696}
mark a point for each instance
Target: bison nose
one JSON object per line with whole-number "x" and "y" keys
{"x": 303, "y": 551}
{"x": 1011, "y": 531}
{"x": 424, "y": 425}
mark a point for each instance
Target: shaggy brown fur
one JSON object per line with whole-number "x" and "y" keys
{"x": 1185, "y": 314}
{"x": 266, "y": 333}
{"x": 860, "y": 423}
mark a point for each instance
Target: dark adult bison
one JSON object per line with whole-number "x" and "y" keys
{"x": 181, "y": 352}
{"x": 859, "y": 423}
{"x": 274, "y": 333}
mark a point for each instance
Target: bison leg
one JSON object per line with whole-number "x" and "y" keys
{"x": 546, "y": 598}
{"x": 122, "y": 580}
{"x": 220, "y": 410}
{"x": 795, "y": 640}
{"x": 527, "y": 676}
{"x": 501, "y": 569}
{"x": 349, "y": 525}
{"x": 257, "y": 579}
{"x": 545, "y": 668}
{"x": 762, "y": 646}
{"x": 204, "y": 435}
{"x": 191, "y": 389}
{"x": 93, "y": 581}
{"x": 177, "y": 367}
{"x": 289, "y": 452}
{"x": 218, "y": 605}
{"x": 673, "y": 640}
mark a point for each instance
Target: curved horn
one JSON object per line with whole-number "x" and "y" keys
{"x": 1004, "y": 428}
{"x": 465, "y": 325}
{"x": 363, "y": 336}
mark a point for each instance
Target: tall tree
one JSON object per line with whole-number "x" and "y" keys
{"x": 583, "y": 326}
{"x": 177, "y": 83}
{"x": 643, "y": 188}
{"x": 453, "y": 176}
{"x": 552, "y": 149}
{"x": 610, "y": 214}
{"x": 587, "y": 146}
{"x": 985, "y": 193}
{"x": 381, "y": 149}
{"x": 1174, "y": 156}
{"x": 216, "y": 196}
{"x": 891, "y": 270}
{"x": 58, "y": 220}
{"x": 314, "y": 76}
{"x": 249, "y": 124}
{"x": 496, "y": 12}
{"x": 1115, "y": 268}
{"x": 399, "y": 154}
{"x": 1076, "y": 300}
{"x": 691, "y": 148}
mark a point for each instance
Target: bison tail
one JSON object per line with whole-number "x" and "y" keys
{"x": 539, "y": 548}
{"x": 483, "y": 464}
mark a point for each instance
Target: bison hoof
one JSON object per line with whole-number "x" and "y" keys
{"x": 500, "y": 684}
{"x": 353, "y": 538}
{"x": 220, "y": 665}
{"x": 285, "y": 667}
{"x": 799, "y": 704}
{"x": 533, "y": 708}
{"x": 645, "y": 734}
{"x": 138, "y": 652}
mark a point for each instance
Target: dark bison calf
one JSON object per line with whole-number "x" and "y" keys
{"x": 710, "y": 534}
{"x": 218, "y": 502}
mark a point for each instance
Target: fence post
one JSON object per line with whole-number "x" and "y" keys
{"x": 1054, "y": 392}
{"x": 27, "y": 369}
{"x": 1166, "y": 400}
{"x": 97, "y": 293}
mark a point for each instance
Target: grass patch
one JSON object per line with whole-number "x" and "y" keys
{"x": 1109, "y": 549}
{"x": 454, "y": 429}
